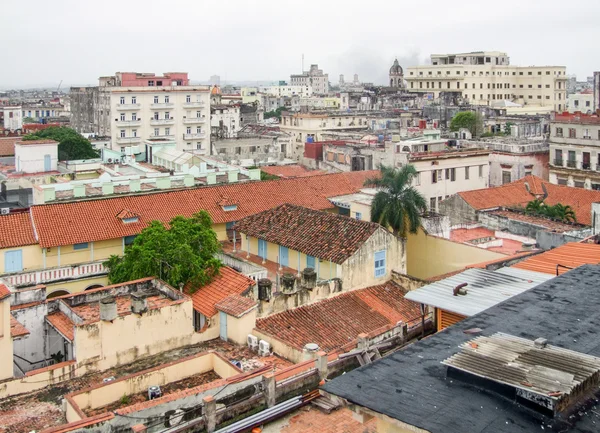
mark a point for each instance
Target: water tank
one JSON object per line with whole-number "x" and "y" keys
{"x": 264, "y": 289}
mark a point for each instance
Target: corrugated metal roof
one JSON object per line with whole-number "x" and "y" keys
{"x": 536, "y": 277}
{"x": 484, "y": 290}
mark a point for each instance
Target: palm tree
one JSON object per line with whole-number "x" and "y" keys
{"x": 535, "y": 206}
{"x": 564, "y": 213}
{"x": 397, "y": 204}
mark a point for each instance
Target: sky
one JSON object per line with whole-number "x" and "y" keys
{"x": 76, "y": 41}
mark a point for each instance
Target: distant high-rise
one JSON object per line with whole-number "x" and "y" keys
{"x": 341, "y": 80}
{"x": 313, "y": 77}
{"x": 215, "y": 80}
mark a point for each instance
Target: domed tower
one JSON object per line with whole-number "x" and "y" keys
{"x": 396, "y": 75}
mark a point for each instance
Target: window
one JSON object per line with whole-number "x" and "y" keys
{"x": 432, "y": 204}
{"x": 156, "y": 132}
{"x": 167, "y": 131}
{"x": 156, "y": 115}
{"x": 134, "y": 132}
{"x": 128, "y": 240}
{"x": 199, "y": 321}
{"x": 434, "y": 178}
{"x": 122, "y": 117}
{"x": 122, "y": 149}
{"x": 134, "y": 116}
{"x": 13, "y": 261}
{"x": 188, "y": 98}
{"x": 151, "y": 83}
{"x": 121, "y": 100}
{"x": 262, "y": 249}
{"x": 380, "y": 263}
{"x": 198, "y": 130}
{"x": 466, "y": 173}
{"x": 418, "y": 176}
{"x": 310, "y": 262}
{"x": 81, "y": 246}
{"x": 358, "y": 216}
{"x": 166, "y": 99}
{"x": 199, "y": 146}
{"x": 198, "y": 114}
{"x": 481, "y": 171}
{"x": 230, "y": 207}
{"x": 134, "y": 100}
{"x": 156, "y": 99}
{"x": 188, "y": 130}
{"x": 122, "y": 133}
{"x": 559, "y": 132}
{"x": 167, "y": 115}
{"x": 572, "y": 133}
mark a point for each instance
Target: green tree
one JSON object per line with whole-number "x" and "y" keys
{"x": 535, "y": 207}
{"x": 469, "y": 120}
{"x": 397, "y": 204}
{"x": 275, "y": 113}
{"x": 559, "y": 212}
{"x": 183, "y": 253}
{"x": 71, "y": 144}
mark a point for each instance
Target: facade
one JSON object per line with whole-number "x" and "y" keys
{"x": 225, "y": 120}
{"x": 284, "y": 90}
{"x": 12, "y": 118}
{"x": 575, "y": 150}
{"x": 582, "y": 102}
{"x": 131, "y": 108}
{"x": 486, "y": 77}
{"x": 37, "y": 156}
{"x": 314, "y": 78}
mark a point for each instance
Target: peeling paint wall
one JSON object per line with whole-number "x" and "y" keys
{"x": 32, "y": 349}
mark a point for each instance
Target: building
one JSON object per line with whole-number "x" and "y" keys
{"x": 445, "y": 384}
{"x": 225, "y": 120}
{"x": 482, "y": 78}
{"x": 314, "y": 78}
{"x": 297, "y": 238}
{"x": 596, "y": 88}
{"x": 397, "y": 76}
{"x": 575, "y": 150}
{"x": 581, "y": 102}
{"x": 12, "y": 118}
{"x": 135, "y": 109}
{"x": 36, "y": 156}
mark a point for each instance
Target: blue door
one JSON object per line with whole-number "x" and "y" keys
{"x": 47, "y": 163}
{"x": 262, "y": 249}
{"x": 310, "y": 262}
{"x": 283, "y": 256}
{"x": 13, "y": 261}
{"x": 223, "y": 325}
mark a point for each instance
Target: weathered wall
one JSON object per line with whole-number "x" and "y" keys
{"x": 37, "y": 379}
{"x": 239, "y": 328}
{"x": 32, "y": 257}
{"x": 33, "y": 347}
{"x": 458, "y": 210}
{"x": 77, "y": 285}
{"x": 6, "y": 345}
{"x": 280, "y": 348}
{"x": 548, "y": 240}
{"x": 519, "y": 165}
{"x": 429, "y": 256}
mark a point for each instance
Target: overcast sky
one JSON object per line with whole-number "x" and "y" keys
{"x": 44, "y": 42}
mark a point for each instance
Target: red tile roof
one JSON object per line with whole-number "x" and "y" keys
{"x": 228, "y": 282}
{"x": 16, "y": 329}
{"x": 4, "y": 291}
{"x": 286, "y": 171}
{"x": 90, "y": 312}
{"x": 325, "y": 235}
{"x": 516, "y": 194}
{"x": 16, "y": 230}
{"x": 7, "y": 145}
{"x": 334, "y": 322}
{"x": 42, "y": 141}
{"x": 62, "y": 324}
{"x": 509, "y": 246}
{"x": 571, "y": 255}
{"x": 95, "y": 220}
{"x": 236, "y": 305}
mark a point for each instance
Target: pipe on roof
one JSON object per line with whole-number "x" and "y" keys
{"x": 456, "y": 291}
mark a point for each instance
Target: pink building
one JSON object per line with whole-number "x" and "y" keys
{"x": 141, "y": 79}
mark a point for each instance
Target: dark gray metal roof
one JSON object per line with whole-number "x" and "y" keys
{"x": 412, "y": 386}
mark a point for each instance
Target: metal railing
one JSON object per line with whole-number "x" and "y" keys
{"x": 572, "y": 164}
{"x": 559, "y": 162}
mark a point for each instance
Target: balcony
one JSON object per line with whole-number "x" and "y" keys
{"x": 571, "y": 164}
{"x": 162, "y": 137}
{"x": 128, "y": 140}
{"x": 162, "y": 106}
{"x": 194, "y": 136}
{"x": 197, "y": 104}
{"x": 159, "y": 122}
{"x": 586, "y": 165}
{"x": 122, "y": 107}
{"x": 129, "y": 123}
{"x": 194, "y": 120}
{"x": 558, "y": 162}
{"x": 50, "y": 275}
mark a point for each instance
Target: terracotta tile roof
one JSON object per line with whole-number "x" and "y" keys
{"x": 228, "y": 282}
{"x": 62, "y": 324}
{"x": 516, "y": 194}
{"x": 43, "y": 141}
{"x": 7, "y": 145}
{"x": 334, "y": 322}
{"x": 126, "y": 213}
{"x": 95, "y": 220}
{"x": 16, "y": 329}
{"x": 16, "y": 230}
{"x": 325, "y": 235}
{"x": 310, "y": 419}
{"x": 571, "y": 255}
{"x": 4, "y": 291}
{"x": 286, "y": 171}
{"x": 236, "y": 305}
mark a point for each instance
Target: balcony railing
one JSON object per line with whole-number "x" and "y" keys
{"x": 194, "y": 136}
{"x": 128, "y": 106}
{"x": 194, "y": 120}
{"x": 558, "y": 162}
{"x": 586, "y": 165}
{"x": 168, "y": 137}
{"x": 163, "y": 105}
{"x": 196, "y": 104}
{"x": 128, "y": 140}
{"x": 572, "y": 164}
{"x": 54, "y": 274}
{"x": 162, "y": 122}
{"x": 129, "y": 122}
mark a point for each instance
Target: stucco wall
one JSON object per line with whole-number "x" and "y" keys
{"x": 32, "y": 257}
{"x": 458, "y": 210}
{"x": 279, "y": 347}
{"x": 37, "y": 379}
{"x": 239, "y": 328}
{"x": 429, "y": 256}
{"x": 77, "y": 285}
{"x": 33, "y": 347}
{"x": 518, "y": 165}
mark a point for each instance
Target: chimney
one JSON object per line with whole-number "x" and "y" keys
{"x": 264, "y": 289}
{"x": 139, "y": 304}
{"x": 288, "y": 283}
{"x": 309, "y": 278}
{"x": 108, "y": 309}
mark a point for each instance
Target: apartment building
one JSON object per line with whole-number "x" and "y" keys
{"x": 583, "y": 102}
{"x": 135, "y": 108}
{"x": 481, "y": 78}
{"x": 314, "y": 78}
{"x": 575, "y": 150}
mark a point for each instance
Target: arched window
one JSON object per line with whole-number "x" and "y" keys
{"x": 57, "y": 293}
{"x": 94, "y": 286}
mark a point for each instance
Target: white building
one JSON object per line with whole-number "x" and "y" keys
{"x": 314, "y": 78}
{"x": 37, "y": 156}
{"x": 583, "y": 102}
{"x": 484, "y": 77}
{"x": 225, "y": 120}
{"x": 12, "y": 118}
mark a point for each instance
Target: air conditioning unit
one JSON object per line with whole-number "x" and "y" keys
{"x": 154, "y": 392}
{"x": 264, "y": 348}
{"x": 4, "y": 211}
{"x": 252, "y": 342}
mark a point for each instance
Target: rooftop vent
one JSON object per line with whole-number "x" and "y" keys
{"x": 108, "y": 309}
{"x": 545, "y": 378}
{"x": 139, "y": 304}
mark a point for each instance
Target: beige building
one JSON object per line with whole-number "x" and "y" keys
{"x": 575, "y": 150}
{"x": 481, "y": 78}
{"x": 583, "y": 102}
{"x": 313, "y": 78}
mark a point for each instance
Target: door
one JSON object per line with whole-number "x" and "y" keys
{"x": 586, "y": 160}
{"x": 13, "y": 261}
{"x": 47, "y": 163}
{"x": 262, "y": 249}
{"x": 310, "y": 262}
{"x": 283, "y": 256}
{"x": 223, "y": 326}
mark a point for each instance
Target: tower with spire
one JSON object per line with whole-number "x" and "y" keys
{"x": 396, "y": 76}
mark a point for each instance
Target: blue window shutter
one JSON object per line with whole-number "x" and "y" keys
{"x": 380, "y": 263}
{"x": 13, "y": 261}
{"x": 310, "y": 262}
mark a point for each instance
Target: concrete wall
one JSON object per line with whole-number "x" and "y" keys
{"x": 77, "y": 285}
{"x": 32, "y": 348}
{"x": 30, "y": 158}
{"x": 458, "y": 210}
{"x": 519, "y": 166}
{"x": 238, "y": 328}
{"x": 37, "y": 379}
{"x": 429, "y": 256}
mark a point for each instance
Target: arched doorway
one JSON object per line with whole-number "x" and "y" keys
{"x": 93, "y": 286}
{"x": 57, "y": 293}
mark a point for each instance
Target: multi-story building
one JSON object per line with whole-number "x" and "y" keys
{"x": 481, "y": 78}
{"x": 314, "y": 77}
{"x": 132, "y": 108}
{"x": 12, "y": 118}
{"x": 575, "y": 150}
{"x": 225, "y": 120}
{"x": 583, "y": 102}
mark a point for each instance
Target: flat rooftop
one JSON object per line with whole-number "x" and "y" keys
{"x": 412, "y": 386}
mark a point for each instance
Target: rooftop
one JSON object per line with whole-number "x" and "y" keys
{"x": 546, "y": 223}
{"x": 17, "y": 330}
{"x": 16, "y": 230}
{"x": 480, "y": 236}
{"x": 560, "y": 259}
{"x": 286, "y": 171}
{"x": 236, "y": 305}
{"x": 30, "y": 142}
{"x": 577, "y": 117}
{"x": 412, "y": 385}
{"x": 320, "y": 234}
{"x": 7, "y": 145}
{"x": 335, "y": 322}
